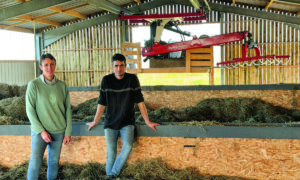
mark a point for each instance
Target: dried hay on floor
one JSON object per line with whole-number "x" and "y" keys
{"x": 86, "y": 171}
{"x": 15, "y": 173}
{"x": 6, "y": 120}
{"x": 3, "y": 171}
{"x": 144, "y": 170}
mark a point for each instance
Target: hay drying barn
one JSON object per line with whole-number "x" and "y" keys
{"x": 258, "y": 56}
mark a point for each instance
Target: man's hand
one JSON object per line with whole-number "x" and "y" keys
{"x": 46, "y": 136}
{"x": 152, "y": 125}
{"x": 67, "y": 140}
{"x": 91, "y": 125}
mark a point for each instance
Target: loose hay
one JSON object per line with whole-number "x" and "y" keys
{"x": 86, "y": 111}
{"x": 13, "y": 107}
{"x": 246, "y": 111}
{"x": 145, "y": 170}
{"x": 6, "y": 120}
{"x": 227, "y": 110}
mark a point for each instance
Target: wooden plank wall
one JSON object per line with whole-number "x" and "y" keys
{"x": 240, "y": 157}
{"x": 84, "y": 56}
{"x": 201, "y": 60}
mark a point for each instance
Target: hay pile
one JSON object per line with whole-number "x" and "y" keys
{"x": 222, "y": 110}
{"x": 12, "y": 104}
{"x": 145, "y": 170}
{"x": 7, "y": 91}
{"x": 85, "y": 112}
{"x": 13, "y": 111}
{"x": 217, "y": 110}
{"x": 227, "y": 110}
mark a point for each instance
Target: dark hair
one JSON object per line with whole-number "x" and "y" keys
{"x": 118, "y": 57}
{"x": 47, "y": 55}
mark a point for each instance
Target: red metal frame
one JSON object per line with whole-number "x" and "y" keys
{"x": 157, "y": 48}
{"x": 254, "y": 58}
{"x": 195, "y": 43}
{"x": 245, "y": 51}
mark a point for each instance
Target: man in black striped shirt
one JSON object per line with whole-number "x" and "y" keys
{"x": 118, "y": 94}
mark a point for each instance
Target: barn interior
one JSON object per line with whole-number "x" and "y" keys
{"x": 231, "y": 109}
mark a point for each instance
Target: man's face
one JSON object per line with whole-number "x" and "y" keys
{"x": 48, "y": 68}
{"x": 119, "y": 69}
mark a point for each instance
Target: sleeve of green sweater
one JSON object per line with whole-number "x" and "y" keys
{"x": 68, "y": 113}
{"x": 31, "y": 94}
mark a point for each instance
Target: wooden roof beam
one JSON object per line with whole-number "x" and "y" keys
{"x": 28, "y": 19}
{"x": 28, "y": 7}
{"x": 41, "y": 18}
{"x": 269, "y": 4}
{"x": 25, "y": 19}
{"x": 38, "y": 19}
{"x": 70, "y": 11}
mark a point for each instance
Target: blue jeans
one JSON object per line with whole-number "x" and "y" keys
{"x": 113, "y": 165}
{"x": 38, "y": 147}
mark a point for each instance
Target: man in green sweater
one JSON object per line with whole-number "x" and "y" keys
{"x": 49, "y": 111}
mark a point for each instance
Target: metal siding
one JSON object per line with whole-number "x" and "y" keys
{"x": 17, "y": 72}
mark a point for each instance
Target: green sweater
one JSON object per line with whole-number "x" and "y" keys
{"x": 48, "y": 107}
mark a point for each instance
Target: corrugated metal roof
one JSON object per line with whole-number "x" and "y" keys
{"x": 90, "y": 9}
{"x": 40, "y": 13}
{"x": 121, "y": 2}
{"x": 72, "y": 4}
{"x": 32, "y": 25}
{"x": 7, "y": 3}
{"x": 86, "y": 10}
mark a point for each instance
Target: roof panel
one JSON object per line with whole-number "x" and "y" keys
{"x": 121, "y": 2}
{"x": 40, "y": 13}
{"x": 87, "y": 10}
{"x": 90, "y": 10}
{"x": 71, "y": 4}
{"x": 286, "y": 7}
{"x": 31, "y": 25}
{"x": 7, "y": 3}
{"x": 61, "y": 18}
